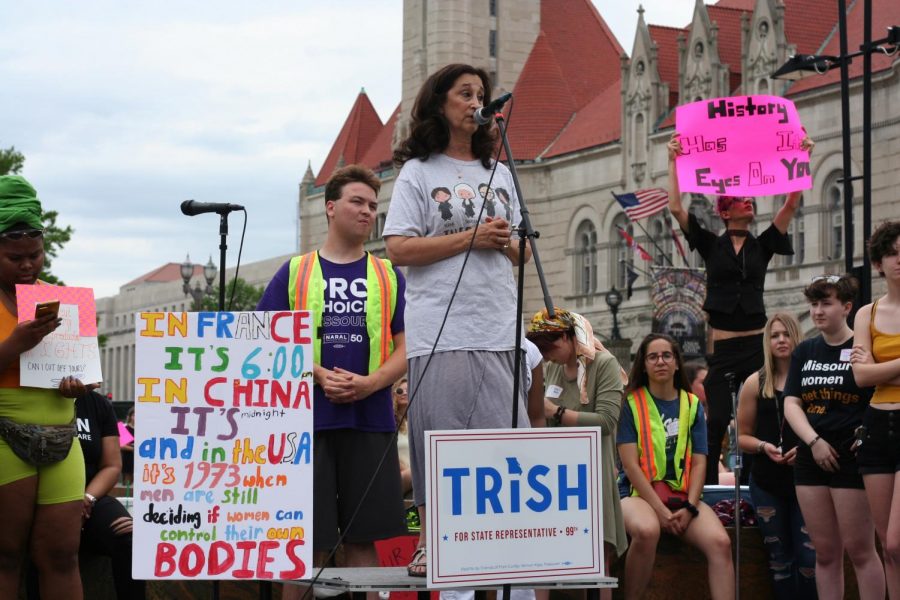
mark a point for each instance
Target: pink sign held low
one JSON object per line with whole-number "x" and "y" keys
{"x": 741, "y": 146}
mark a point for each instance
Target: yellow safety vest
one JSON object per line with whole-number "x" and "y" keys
{"x": 306, "y": 290}
{"x": 652, "y": 437}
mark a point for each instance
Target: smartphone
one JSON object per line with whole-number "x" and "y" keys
{"x": 42, "y": 309}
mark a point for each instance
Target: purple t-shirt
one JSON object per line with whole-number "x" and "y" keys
{"x": 345, "y": 342}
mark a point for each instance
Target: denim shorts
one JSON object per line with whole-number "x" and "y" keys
{"x": 880, "y": 451}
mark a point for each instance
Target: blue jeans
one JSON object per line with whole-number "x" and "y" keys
{"x": 792, "y": 559}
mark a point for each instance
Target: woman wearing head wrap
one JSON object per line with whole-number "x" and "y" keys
{"x": 583, "y": 386}
{"x": 41, "y": 501}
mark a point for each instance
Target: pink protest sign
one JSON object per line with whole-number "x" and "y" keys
{"x": 27, "y": 296}
{"x": 72, "y": 349}
{"x": 741, "y": 146}
{"x": 125, "y": 436}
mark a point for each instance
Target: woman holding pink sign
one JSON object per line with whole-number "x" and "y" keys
{"x": 41, "y": 465}
{"x": 736, "y": 264}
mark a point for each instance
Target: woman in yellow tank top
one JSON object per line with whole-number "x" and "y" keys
{"x": 876, "y": 361}
{"x": 41, "y": 505}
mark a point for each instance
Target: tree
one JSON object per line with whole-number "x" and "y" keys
{"x": 11, "y": 161}
{"x": 54, "y": 239}
{"x": 246, "y": 296}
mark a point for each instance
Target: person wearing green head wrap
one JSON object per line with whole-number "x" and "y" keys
{"x": 41, "y": 501}
{"x": 19, "y": 204}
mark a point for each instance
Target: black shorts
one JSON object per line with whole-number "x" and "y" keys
{"x": 344, "y": 462}
{"x": 880, "y": 451}
{"x": 807, "y": 472}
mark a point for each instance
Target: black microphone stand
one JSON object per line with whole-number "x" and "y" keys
{"x": 526, "y": 232}
{"x": 738, "y": 466}
{"x": 223, "y": 246}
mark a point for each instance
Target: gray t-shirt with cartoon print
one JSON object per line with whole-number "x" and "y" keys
{"x": 441, "y": 196}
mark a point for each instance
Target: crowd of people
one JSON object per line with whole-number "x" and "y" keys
{"x": 433, "y": 347}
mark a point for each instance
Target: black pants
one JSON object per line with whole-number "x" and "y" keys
{"x": 99, "y": 537}
{"x": 742, "y": 356}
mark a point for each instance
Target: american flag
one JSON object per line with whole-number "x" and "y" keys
{"x": 643, "y": 203}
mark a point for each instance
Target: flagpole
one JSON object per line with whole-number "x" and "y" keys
{"x": 677, "y": 242}
{"x": 638, "y": 269}
{"x": 652, "y": 241}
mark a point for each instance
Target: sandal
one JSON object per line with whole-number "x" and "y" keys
{"x": 418, "y": 565}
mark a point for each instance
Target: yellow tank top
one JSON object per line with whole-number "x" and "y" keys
{"x": 885, "y": 347}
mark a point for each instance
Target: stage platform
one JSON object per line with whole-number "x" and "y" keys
{"x": 395, "y": 579}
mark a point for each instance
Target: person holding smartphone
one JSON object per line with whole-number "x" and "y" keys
{"x": 41, "y": 493}
{"x": 763, "y": 431}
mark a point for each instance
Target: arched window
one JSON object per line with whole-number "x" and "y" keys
{"x": 585, "y": 258}
{"x": 834, "y": 217}
{"x": 623, "y": 257}
{"x": 640, "y": 139}
{"x": 375, "y": 234}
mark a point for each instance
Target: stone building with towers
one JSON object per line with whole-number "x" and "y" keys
{"x": 590, "y": 118}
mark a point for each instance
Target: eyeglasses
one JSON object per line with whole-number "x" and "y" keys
{"x": 666, "y": 357}
{"x": 827, "y": 278}
{"x": 400, "y": 391}
{"x": 22, "y": 233}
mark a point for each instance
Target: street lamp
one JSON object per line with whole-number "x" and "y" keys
{"x": 613, "y": 301}
{"x": 197, "y": 293}
{"x": 802, "y": 65}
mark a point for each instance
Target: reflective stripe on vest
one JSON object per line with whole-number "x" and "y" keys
{"x": 651, "y": 435}
{"x": 306, "y": 290}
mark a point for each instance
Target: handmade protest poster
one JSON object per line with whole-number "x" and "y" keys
{"x": 741, "y": 146}
{"x": 72, "y": 349}
{"x": 513, "y": 506}
{"x": 223, "y": 445}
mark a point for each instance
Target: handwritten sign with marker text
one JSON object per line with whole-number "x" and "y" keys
{"x": 72, "y": 349}
{"x": 513, "y": 506}
{"x": 223, "y": 445}
{"x": 741, "y": 146}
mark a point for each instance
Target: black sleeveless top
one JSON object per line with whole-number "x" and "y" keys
{"x": 771, "y": 427}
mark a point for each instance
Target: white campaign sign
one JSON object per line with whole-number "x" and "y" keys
{"x": 223, "y": 445}
{"x": 513, "y": 506}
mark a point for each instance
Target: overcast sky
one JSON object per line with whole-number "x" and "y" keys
{"x": 123, "y": 109}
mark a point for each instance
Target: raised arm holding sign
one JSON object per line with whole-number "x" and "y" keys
{"x": 736, "y": 261}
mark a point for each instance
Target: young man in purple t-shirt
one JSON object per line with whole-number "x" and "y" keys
{"x": 360, "y": 351}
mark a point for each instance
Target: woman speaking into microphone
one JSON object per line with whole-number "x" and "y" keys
{"x": 460, "y": 292}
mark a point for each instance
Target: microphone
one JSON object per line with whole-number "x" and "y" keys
{"x": 484, "y": 114}
{"x": 192, "y": 207}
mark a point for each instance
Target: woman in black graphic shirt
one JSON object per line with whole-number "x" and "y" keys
{"x": 823, "y": 405}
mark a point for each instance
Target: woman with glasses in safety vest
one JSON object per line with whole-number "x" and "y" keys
{"x": 662, "y": 446}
